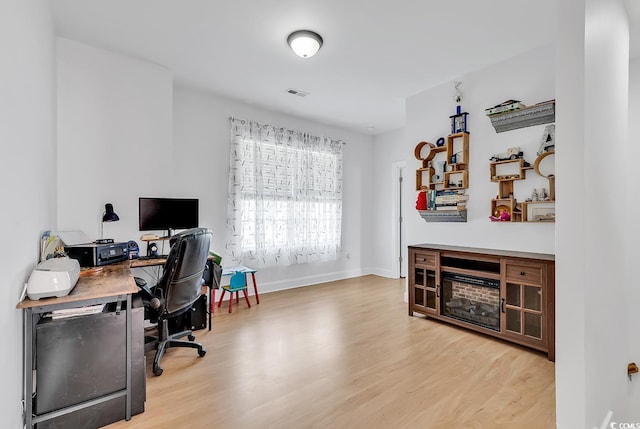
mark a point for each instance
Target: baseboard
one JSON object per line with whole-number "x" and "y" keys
{"x": 384, "y": 273}
{"x": 292, "y": 283}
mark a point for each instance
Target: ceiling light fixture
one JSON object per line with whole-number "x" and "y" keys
{"x": 304, "y": 43}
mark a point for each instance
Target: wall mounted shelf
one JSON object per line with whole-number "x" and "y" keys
{"x": 443, "y": 216}
{"x": 425, "y": 175}
{"x": 442, "y": 179}
{"x": 541, "y": 113}
{"x": 526, "y": 211}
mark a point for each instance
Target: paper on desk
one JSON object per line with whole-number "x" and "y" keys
{"x": 51, "y": 242}
{"x": 69, "y": 238}
{"x": 80, "y": 311}
{"x": 49, "y": 247}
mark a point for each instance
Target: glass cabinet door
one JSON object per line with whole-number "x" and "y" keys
{"x": 522, "y": 308}
{"x": 425, "y": 289}
{"x": 525, "y": 300}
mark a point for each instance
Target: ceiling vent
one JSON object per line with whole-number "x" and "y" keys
{"x": 296, "y": 92}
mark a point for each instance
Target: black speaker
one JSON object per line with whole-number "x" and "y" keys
{"x": 152, "y": 249}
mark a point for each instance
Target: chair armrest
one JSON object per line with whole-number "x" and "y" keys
{"x": 146, "y": 294}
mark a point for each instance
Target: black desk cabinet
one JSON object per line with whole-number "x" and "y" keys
{"x": 82, "y": 358}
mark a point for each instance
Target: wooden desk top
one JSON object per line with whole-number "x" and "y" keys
{"x": 141, "y": 263}
{"x": 151, "y": 262}
{"x": 99, "y": 282}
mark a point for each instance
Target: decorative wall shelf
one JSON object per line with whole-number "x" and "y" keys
{"x": 526, "y": 211}
{"x": 425, "y": 175}
{"x": 539, "y": 211}
{"x": 444, "y": 216}
{"x": 442, "y": 179}
{"x": 541, "y": 113}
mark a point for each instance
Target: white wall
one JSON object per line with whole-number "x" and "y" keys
{"x": 606, "y": 102}
{"x": 631, "y": 249}
{"x": 529, "y": 78}
{"x": 114, "y": 138}
{"x": 570, "y": 232}
{"x": 27, "y": 130}
{"x": 201, "y": 136}
{"x": 592, "y": 320}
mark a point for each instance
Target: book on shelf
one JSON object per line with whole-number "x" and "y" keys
{"x": 450, "y": 192}
{"x": 437, "y": 198}
{"x": 451, "y": 199}
{"x": 451, "y": 207}
{"x": 505, "y": 106}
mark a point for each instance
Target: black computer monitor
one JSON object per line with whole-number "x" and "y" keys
{"x": 167, "y": 214}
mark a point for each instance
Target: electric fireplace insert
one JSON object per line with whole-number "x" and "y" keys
{"x": 471, "y": 299}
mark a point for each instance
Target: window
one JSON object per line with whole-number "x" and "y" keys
{"x": 285, "y": 196}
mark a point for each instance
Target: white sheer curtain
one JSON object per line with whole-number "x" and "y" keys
{"x": 285, "y": 196}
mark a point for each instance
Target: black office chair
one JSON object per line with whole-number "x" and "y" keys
{"x": 176, "y": 292}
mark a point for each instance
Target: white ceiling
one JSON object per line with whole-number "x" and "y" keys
{"x": 375, "y": 54}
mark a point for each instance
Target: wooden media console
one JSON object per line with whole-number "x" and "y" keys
{"x": 505, "y": 294}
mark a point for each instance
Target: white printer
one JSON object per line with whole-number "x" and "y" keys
{"x": 53, "y": 277}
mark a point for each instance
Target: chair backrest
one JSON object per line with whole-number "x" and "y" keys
{"x": 182, "y": 277}
{"x": 238, "y": 281}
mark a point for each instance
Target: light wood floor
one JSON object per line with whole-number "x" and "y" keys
{"x": 346, "y": 355}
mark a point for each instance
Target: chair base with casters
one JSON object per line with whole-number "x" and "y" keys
{"x": 165, "y": 340}
{"x": 238, "y": 283}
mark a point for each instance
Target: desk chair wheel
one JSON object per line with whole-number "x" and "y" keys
{"x": 191, "y": 337}
{"x": 202, "y": 352}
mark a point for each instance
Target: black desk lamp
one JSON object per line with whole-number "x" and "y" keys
{"x": 108, "y": 216}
